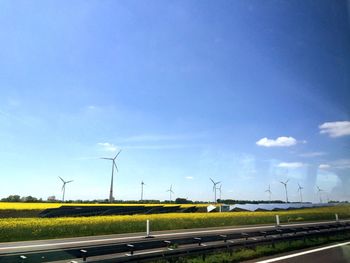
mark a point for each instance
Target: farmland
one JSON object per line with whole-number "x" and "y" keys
{"x": 15, "y": 229}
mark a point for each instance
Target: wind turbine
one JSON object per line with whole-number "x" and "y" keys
{"x": 142, "y": 184}
{"x": 285, "y": 187}
{"x": 319, "y": 190}
{"x": 269, "y": 191}
{"x": 64, "y": 186}
{"x": 214, "y": 188}
{"x": 114, "y": 165}
{"x": 170, "y": 190}
{"x": 299, "y": 190}
{"x": 219, "y": 188}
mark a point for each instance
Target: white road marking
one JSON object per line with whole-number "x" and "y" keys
{"x": 303, "y": 253}
{"x": 148, "y": 252}
{"x": 93, "y": 241}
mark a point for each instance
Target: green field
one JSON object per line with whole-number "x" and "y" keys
{"x": 15, "y": 229}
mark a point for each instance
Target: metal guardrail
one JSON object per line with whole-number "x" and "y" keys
{"x": 176, "y": 246}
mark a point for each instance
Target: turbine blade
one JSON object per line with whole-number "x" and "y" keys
{"x": 61, "y": 179}
{"x": 69, "y": 181}
{"x": 106, "y": 158}
{"x": 117, "y": 154}
{"x": 116, "y": 167}
{"x": 212, "y": 180}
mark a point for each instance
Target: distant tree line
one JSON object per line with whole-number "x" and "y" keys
{"x": 17, "y": 198}
{"x": 179, "y": 200}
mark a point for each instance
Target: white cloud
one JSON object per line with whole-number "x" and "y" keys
{"x": 108, "y": 147}
{"x": 290, "y": 165}
{"x": 336, "y": 128}
{"x": 279, "y": 142}
{"x": 189, "y": 177}
{"x": 324, "y": 166}
{"x": 312, "y": 154}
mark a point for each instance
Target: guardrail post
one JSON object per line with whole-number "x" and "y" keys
{"x": 83, "y": 254}
{"x": 199, "y": 240}
{"x": 168, "y": 243}
{"x": 277, "y": 220}
{"x": 336, "y": 218}
{"x": 131, "y": 247}
{"x": 224, "y": 237}
{"x": 148, "y": 229}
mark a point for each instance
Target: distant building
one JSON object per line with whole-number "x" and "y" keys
{"x": 51, "y": 198}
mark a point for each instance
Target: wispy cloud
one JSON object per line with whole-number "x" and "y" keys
{"x": 312, "y": 154}
{"x": 189, "y": 177}
{"x": 279, "y": 142}
{"x": 341, "y": 164}
{"x": 324, "y": 166}
{"x": 336, "y": 128}
{"x": 292, "y": 165}
{"x": 108, "y": 147}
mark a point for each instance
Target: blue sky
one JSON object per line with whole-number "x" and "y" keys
{"x": 187, "y": 89}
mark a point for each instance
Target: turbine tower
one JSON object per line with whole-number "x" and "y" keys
{"x": 64, "y": 186}
{"x": 219, "y": 188}
{"x": 319, "y": 190}
{"x": 214, "y": 188}
{"x": 285, "y": 187}
{"x": 299, "y": 190}
{"x": 142, "y": 184}
{"x": 114, "y": 165}
{"x": 269, "y": 191}
{"x": 170, "y": 190}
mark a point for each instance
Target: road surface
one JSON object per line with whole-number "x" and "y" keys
{"x": 30, "y": 246}
{"x": 339, "y": 253}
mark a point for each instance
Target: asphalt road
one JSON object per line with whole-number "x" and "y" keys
{"x": 30, "y": 246}
{"x": 338, "y": 253}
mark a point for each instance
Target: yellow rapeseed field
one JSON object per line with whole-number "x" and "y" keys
{"x": 14, "y": 229}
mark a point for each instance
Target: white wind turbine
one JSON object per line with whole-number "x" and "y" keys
{"x": 64, "y": 187}
{"x": 170, "y": 190}
{"x": 285, "y": 187}
{"x": 214, "y": 188}
{"x": 319, "y": 190}
{"x": 142, "y": 184}
{"x": 114, "y": 165}
{"x": 300, "y": 192}
{"x": 268, "y": 190}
